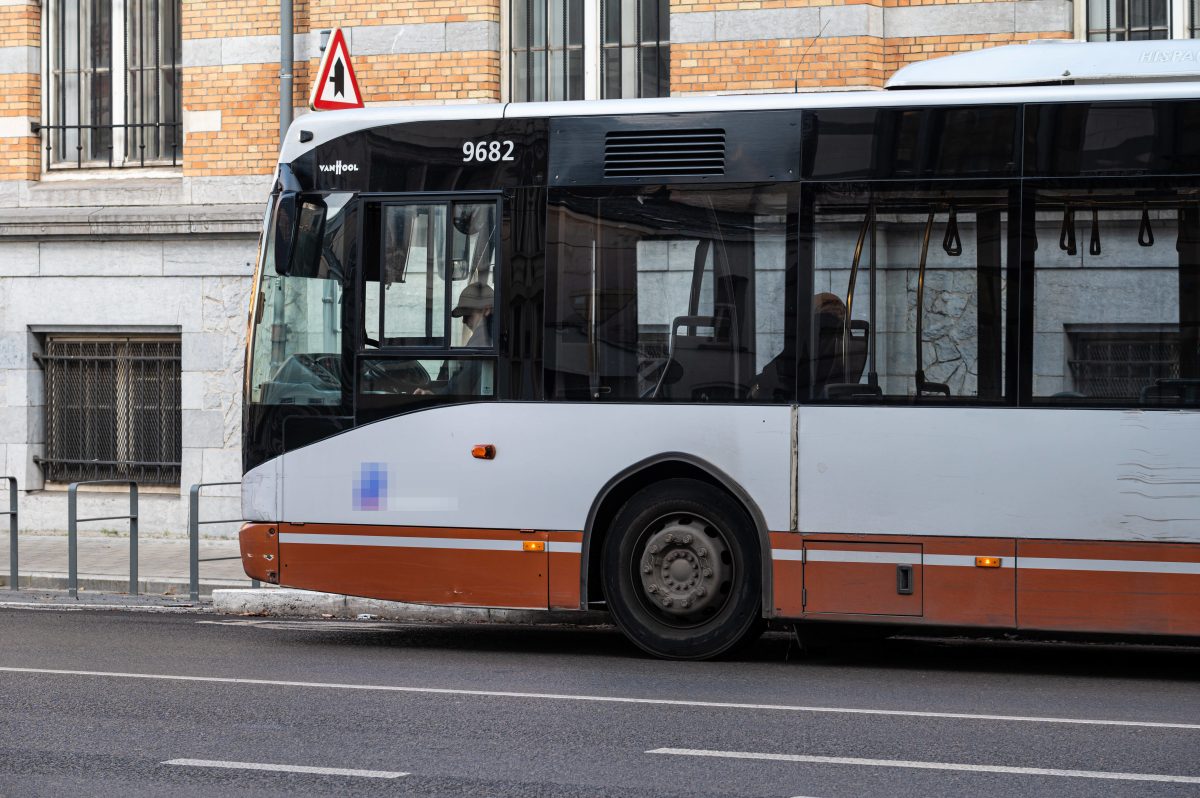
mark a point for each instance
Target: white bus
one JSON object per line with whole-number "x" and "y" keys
{"x": 923, "y": 357}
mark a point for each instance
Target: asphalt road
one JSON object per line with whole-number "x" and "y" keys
{"x": 128, "y": 704}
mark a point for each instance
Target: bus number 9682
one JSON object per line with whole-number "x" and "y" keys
{"x": 482, "y": 151}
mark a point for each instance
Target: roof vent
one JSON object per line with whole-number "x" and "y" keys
{"x": 664, "y": 153}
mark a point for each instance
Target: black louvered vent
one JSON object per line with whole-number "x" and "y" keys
{"x": 663, "y": 153}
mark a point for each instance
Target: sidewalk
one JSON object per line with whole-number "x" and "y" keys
{"x": 104, "y": 564}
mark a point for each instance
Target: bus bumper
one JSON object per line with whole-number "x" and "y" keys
{"x": 260, "y": 551}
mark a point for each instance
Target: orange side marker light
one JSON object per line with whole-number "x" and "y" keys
{"x": 987, "y": 562}
{"x": 533, "y": 545}
{"x": 483, "y": 451}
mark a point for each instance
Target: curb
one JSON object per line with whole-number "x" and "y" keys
{"x": 309, "y": 604}
{"x": 115, "y": 584}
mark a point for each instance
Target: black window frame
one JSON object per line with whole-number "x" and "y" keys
{"x": 371, "y": 242}
{"x": 78, "y": 433}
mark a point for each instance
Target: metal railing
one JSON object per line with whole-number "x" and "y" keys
{"x": 194, "y": 524}
{"x": 73, "y": 521}
{"x": 110, "y": 159}
{"x": 12, "y": 532}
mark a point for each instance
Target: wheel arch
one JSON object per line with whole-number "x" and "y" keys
{"x": 668, "y": 465}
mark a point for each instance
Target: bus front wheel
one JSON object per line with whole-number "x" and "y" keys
{"x": 682, "y": 571}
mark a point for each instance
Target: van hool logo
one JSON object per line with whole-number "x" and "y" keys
{"x": 339, "y": 167}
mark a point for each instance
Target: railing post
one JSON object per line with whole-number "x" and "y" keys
{"x": 133, "y": 538}
{"x": 72, "y": 562}
{"x": 194, "y": 542}
{"x": 13, "y": 569}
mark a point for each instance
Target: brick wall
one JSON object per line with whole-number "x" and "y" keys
{"x": 741, "y": 46}
{"x": 431, "y": 51}
{"x": 20, "y": 90}
{"x": 409, "y": 51}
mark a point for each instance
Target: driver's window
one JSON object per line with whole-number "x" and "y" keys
{"x": 407, "y": 307}
{"x": 429, "y": 298}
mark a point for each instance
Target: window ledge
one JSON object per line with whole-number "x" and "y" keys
{"x": 103, "y": 175}
{"x": 134, "y": 220}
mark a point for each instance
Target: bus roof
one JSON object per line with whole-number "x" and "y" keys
{"x": 1085, "y": 72}
{"x": 1055, "y": 61}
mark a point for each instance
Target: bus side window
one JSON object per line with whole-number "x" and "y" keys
{"x": 908, "y": 297}
{"x": 1116, "y": 317}
{"x": 670, "y": 294}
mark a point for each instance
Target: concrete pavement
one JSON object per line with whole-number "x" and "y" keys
{"x": 104, "y": 563}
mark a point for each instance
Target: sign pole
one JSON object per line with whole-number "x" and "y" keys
{"x": 286, "y": 58}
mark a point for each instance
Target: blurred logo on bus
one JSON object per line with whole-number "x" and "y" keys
{"x": 370, "y": 487}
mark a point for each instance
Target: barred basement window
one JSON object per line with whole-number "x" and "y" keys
{"x": 113, "y": 91}
{"x": 112, "y": 409}
{"x": 1128, "y": 20}
{"x": 1121, "y": 364}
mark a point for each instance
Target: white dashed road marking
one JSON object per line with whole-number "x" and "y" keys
{"x": 601, "y": 699}
{"x": 903, "y": 763}
{"x": 217, "y": 763}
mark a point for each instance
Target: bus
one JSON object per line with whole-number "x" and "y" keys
{"x": 921, "y": 357}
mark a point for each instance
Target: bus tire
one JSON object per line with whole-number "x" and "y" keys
{"x": 682, "y": 571}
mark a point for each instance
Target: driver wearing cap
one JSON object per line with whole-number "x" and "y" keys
{"x": 475, "y": 309}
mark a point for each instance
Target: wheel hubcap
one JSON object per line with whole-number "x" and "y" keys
{"x": 685, "y": 569}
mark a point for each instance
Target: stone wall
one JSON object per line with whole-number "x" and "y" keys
{"x": 159, "y": 256}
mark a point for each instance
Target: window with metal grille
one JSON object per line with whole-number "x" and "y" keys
{"x": 112, "y": 409}
{"x": 113, "y": 93}
{"x": 1128, "y": 20}
{"x": 1119, "y": 364}
{"x": 588, "y": 49}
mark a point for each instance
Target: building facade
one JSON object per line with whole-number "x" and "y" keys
{"x": 137, "y": 141}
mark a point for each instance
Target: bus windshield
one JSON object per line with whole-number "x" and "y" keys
{"x": 296, "y": 335}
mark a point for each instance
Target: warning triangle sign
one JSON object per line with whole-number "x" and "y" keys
{"x": 335, "y": 87}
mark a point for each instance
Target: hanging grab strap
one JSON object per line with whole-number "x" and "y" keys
{"x": 923, "y": 386}
{"x": 951, "y": 242}
{"x": 1094, "y": 243}
{"x": 1066, "y": 234}
{"x": 1145, "y": 232}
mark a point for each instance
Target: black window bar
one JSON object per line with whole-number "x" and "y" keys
{"x": 635, "y": 51}
{"x": 86, "y": 127}
{"x": 113, "y": 410}
{"x": 546, "y": 50}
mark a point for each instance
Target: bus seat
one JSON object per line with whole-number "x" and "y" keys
{"x": 1171, "y": 391}
{"x": 701, "y": 361}
{"x": 856, "y": 346}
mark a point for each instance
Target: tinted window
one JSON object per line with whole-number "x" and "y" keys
{"x": 670, "y": 295}
{"x": 908, "y": 295}
{"x": 1116, "y": 316}
{"x": 1112, "y": 138}
{"x": 898, "y": 143}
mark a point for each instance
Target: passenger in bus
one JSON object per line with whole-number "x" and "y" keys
{"x": 774, "y": 383}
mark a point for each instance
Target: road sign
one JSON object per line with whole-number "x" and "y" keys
{"x": 335, "y": 87}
